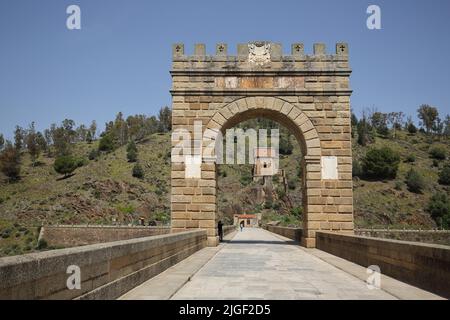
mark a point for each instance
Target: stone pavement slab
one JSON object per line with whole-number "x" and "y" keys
{"x": 257, "y": 264}
{"x": 167, "y": 283}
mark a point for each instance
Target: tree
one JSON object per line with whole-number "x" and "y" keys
{"x": 446, "y": 131}
{"x": 396, "y": 121}
{"x": 379, "y": 123}
{"x": 286, "y": 146}
{"x": 10, "y": 162}
{"x": 354, "y": 120}
{"x": 41, "y": 141}
{"x": 2, "y": 141}
{"x": 438, "y": 127}
{"x": 165, "y": 119}
{"x": 428, "y": 115}
{"x": 61, "y": 141}
{"x": 415, "y": 181}
{"x": 89, "y": 137}
{"x": 68, "y": 126}
{"x": 444, "y": 175}
{"x": 364, "y": 129}
{"x": 138, "y": 172}
{"x": 65, "y": 165}
{"x": 381, "y": 163}
{"x": 81, "y": 133}
{"x": 93, "y": 129}
{"x": 439, "y": 208}
{"x": 412, "y": 129}
{"x": 18, "y": 138}
{"x": 33, "y": 146}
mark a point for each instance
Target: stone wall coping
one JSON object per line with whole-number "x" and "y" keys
{"x": 404, "y": 230}
{"x": 391, "y": 241}
{"x": 90, "y": 226}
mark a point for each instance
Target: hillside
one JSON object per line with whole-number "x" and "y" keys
{"x": 104, "y": 190}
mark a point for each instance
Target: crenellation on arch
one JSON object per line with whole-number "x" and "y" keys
{"x": 297, "y": 52}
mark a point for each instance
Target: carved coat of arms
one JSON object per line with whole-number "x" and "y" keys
{"x": 259, "y": 53}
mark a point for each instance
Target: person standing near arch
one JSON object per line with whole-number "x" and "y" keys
{"x": 220, "y": 229}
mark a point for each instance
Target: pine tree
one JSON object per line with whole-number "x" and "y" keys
{"x": 132, "y": 151}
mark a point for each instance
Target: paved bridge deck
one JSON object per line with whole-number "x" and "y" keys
{"x": 257, "y": 264}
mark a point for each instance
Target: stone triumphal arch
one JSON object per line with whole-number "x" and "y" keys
{"x": 309, "y": 94}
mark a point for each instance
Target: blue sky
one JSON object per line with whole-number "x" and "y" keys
{"x": 120, "y": 59}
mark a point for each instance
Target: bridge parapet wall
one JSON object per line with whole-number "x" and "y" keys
{"x": 423, "y": 265}
{"x": 81, "y": 235}
{"x": 108, "y": 270}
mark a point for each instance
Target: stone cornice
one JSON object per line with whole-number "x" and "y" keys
{"x": 258, "y": 92}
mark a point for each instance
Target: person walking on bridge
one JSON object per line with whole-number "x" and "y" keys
{"x": 220, "y": 229}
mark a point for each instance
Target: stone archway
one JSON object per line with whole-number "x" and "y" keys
{"x": 307, "y": 94}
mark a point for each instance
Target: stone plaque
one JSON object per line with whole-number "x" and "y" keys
{"x": 329, "y": 168}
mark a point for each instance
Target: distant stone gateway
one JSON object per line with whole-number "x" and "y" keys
{"x": 308, "y": 94}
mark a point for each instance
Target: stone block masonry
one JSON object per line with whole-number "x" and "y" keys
{"x": 80, "y": 235}
{"x": 308, "y": 94}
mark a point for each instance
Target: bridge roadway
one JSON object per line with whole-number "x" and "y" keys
{"x": 257, "y": 264}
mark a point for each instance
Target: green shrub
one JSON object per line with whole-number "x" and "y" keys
{"x": 132, "y": 155}
{"x": 131, "y": 146}
{"x": 138, "y": 172}
{"x": 411, "y": 158}
{"x": 276, "y": 205}
{"x": 6, "y": 233}
{"x": 106, "y": 143}
{"x": 412, "y": 128}
{"x": 439, "y": 209}
{"x": 268, "y": 204}
{"x": 127, "y": 209}
{"x": 357, "y": 170}
{"x": 81, "y": 162}
{"x": 291, "y": 184}
{"x": 435, "y": 163}
{"x": 444, "y": 175}
{"x": 381, "y": 163}
{"x": 437, "y": 153}
{"x": 398, "y": 185}
{"x": 42, "y": 244}
{"x": 93, "y": 154}
{"x": 297, "y": 211}
{"x": 65, "y": 165}
{"x": 281, "y": 193}
{"x": 415, "y": 181}
{"x": 246, "y": 178}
